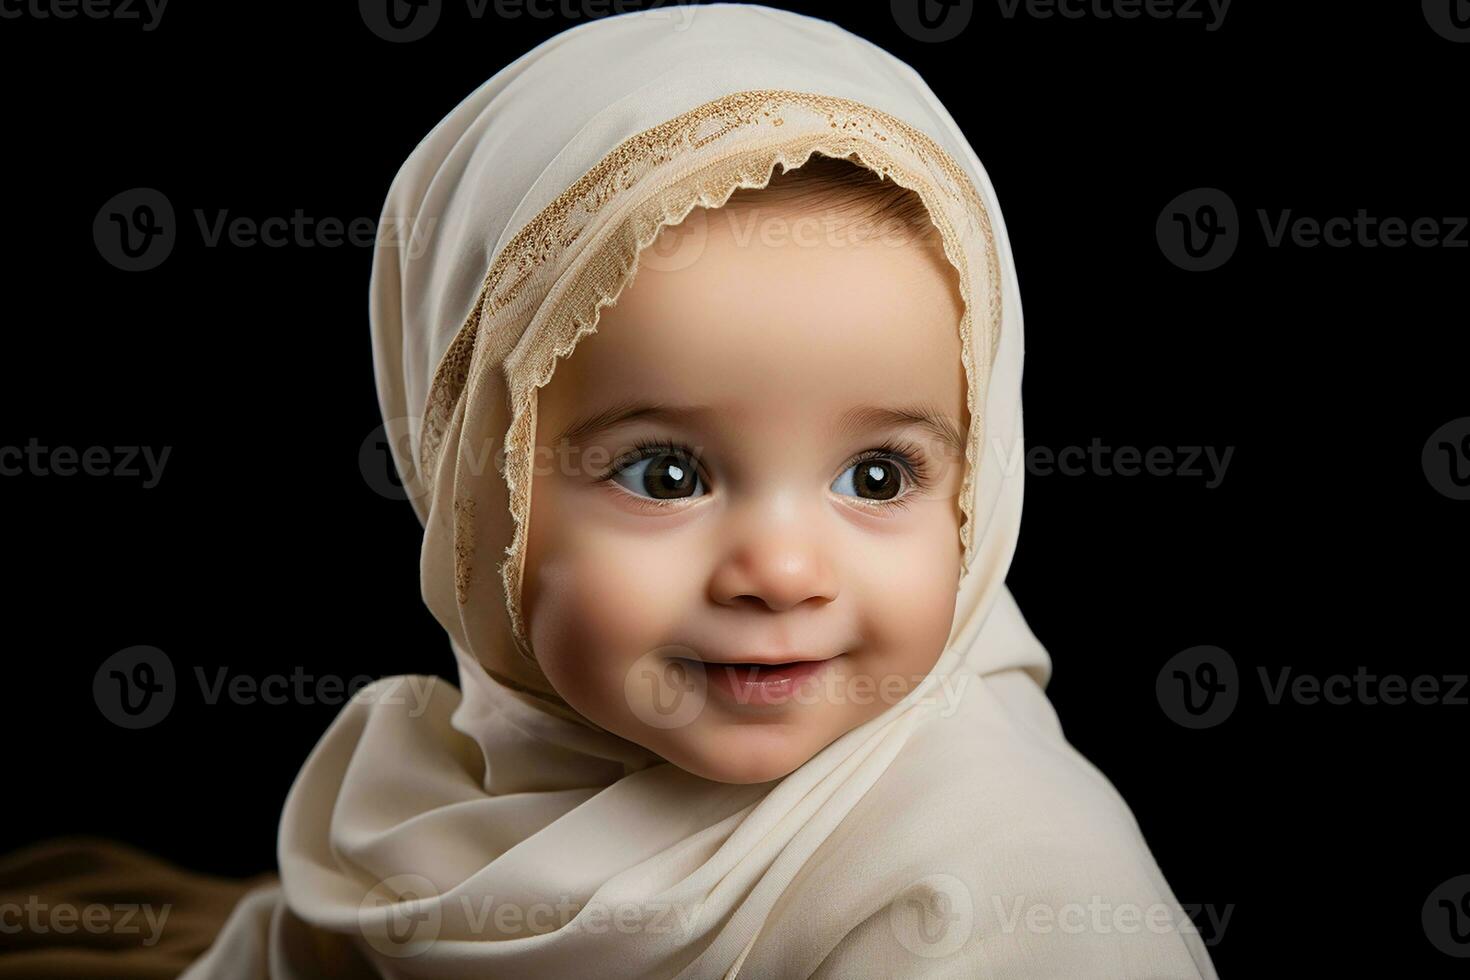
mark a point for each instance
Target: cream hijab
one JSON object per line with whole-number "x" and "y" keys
{"x": 491, "y": 831}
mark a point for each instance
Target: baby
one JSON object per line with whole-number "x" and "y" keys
{"x": 741, "y": 690}
{"x": 744, "y": 538}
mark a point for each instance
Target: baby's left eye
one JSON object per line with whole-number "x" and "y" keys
{"x": 878, "y": 478}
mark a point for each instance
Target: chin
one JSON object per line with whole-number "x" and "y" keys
{"x": 732, "y": 760}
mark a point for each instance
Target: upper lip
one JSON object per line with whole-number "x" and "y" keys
{"x": 767, "y": 659}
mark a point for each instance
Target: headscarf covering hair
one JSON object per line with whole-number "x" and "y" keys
{"x": 902, "y": 847}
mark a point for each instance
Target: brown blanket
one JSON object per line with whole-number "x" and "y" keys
{"x": 84, "y": 907}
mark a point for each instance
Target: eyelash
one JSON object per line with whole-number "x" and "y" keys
{"x": 907, "y": 455}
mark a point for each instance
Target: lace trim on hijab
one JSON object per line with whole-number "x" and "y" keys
{"x": 854, "y": 131}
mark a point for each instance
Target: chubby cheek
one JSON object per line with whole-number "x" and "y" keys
{"x": 596, "y": 601}
{"x": 908, "y": 600}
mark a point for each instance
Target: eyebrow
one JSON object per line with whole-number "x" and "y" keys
{"x": 626, "y": 412}
{"x": 854, "y": 420}
{"x": 934, "y": 422}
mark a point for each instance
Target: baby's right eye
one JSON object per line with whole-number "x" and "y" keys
{"x": 660, "y": 475}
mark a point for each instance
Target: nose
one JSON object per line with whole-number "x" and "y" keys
{"x": 776, "y": 564}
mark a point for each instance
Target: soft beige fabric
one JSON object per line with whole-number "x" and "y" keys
{"x": 904, "y": 848}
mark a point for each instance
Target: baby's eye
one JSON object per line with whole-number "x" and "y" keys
{"x": 877, "y": 478}
{"x": 661, "y": 476}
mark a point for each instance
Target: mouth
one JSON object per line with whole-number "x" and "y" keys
{"x": 762, "y": 682}
{"x": 763, "y": 660}
{"x": 762, "y": 672}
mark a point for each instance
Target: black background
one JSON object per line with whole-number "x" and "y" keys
{"x": 1321, "y": 828}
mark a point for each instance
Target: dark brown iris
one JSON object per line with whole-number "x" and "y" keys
{"x": 876, "y": 479}
{"x": 669, "y": 477}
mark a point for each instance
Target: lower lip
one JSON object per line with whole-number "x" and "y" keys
{"x": 743, "y": 684}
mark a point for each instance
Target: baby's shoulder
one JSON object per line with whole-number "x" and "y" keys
{"x": 992, "y": 771}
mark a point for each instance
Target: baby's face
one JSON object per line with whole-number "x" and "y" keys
{"x": 769, "y": 511}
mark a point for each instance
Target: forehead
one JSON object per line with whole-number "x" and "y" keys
{"x": 742, "y": 305}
